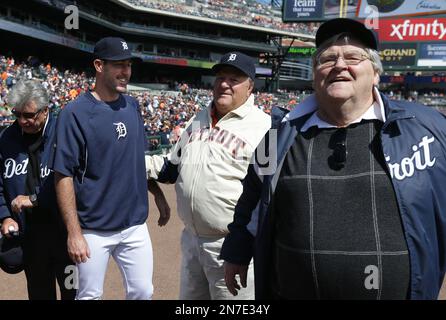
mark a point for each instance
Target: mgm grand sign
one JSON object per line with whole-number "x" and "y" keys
{"x": 398, "y": 54}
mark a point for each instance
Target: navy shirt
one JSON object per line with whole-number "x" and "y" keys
{"x": 101, "y": 145}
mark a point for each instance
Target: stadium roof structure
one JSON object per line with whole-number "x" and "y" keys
{"x": 129, "y": 5}
{"x": 171, "y": 36}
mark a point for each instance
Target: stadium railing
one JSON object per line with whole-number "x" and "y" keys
{"x": 158, "y": 148}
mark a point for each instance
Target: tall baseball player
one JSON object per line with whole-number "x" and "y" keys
{"x": 208, "y": 165}
{"x": 101, "y": 179}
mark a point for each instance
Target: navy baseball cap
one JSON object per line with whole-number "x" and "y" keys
{"x": 111, "y": 48}
{"x": 11, "y": 255}
{"x": 239, "y": 61}
{"x": 340, "y": 25}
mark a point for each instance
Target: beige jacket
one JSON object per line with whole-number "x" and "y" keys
{"x": 212, "y": 161}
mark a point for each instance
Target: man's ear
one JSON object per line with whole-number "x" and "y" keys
{"x": 376, "y": 79}
{"x": 98, "y": 65}
{"x": 251, "y": 87}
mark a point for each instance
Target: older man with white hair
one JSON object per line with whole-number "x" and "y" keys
{"x": 28, "y": 205}
{"x": 353, "y": 206}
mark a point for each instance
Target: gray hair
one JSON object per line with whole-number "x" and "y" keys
{"x": 25, "y": 91}
{"x": 346, "y": 37}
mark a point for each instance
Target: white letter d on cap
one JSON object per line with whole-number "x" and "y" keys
{"x": 232, "y": 57}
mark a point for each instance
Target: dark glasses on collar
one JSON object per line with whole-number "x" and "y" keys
{"x": 339, "y": 145}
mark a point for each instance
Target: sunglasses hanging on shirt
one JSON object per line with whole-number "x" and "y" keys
{"x": 338, "y": 143}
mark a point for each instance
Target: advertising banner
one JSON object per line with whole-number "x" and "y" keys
{"x": 398, "y": 54}
{"x": 432, "y": 54}
{"x": 392, "y": 8}
{"x": 300, "y": 10}
{"x": 413, "y": 79}
{"x": 412, "y": 29}
{"x": 300, "y": 52}
{"x": 333, "y": 8}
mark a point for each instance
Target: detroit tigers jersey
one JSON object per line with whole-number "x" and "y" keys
{"x": 212, "y": 162}
{"x": 101, "y": 145}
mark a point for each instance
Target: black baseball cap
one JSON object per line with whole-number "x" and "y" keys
{"x": 340, "y": 25}
{"x": 239, "y": 61}
{"x": 11, "y": 255}
{"x": 112, "y": 48}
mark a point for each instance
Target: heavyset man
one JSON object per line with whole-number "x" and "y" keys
{"x": 352, "y": 203}
{"x": 208, "y": 164}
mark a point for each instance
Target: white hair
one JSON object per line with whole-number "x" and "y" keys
{"x": 25, "y": 91}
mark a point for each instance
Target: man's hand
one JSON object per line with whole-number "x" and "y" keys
{"x": 231, "y": 282}
{"x": 7, "y": 225}
{"x": 78, "y": 249}
{"x": 20, "y": 202}
{"x": 164, "y": 209}
{"x": 160, "y": 201}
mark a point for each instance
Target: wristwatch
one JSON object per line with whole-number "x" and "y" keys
{"x": 33, "y": 199}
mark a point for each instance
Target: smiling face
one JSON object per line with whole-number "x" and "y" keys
{"x": 342, "y": 82}
{"x": 231, "y": 89}
{"x": 113, "y": 76}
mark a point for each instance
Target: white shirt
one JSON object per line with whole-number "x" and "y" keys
{"x": 372, "y": 113}
{"x": 375, "y": 111}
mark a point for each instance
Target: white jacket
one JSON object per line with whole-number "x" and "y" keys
{"x": 212, "y": 161}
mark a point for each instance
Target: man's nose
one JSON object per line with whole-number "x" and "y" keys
{"x": 340, "y": 63}
{"x": 224, "y": 83}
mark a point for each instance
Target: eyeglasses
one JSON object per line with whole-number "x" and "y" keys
{"x": 338, "y": 142}
{"x": 26, "y": 115}
{"x": 350, "y": 58}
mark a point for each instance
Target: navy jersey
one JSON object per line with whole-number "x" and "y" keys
{"x": 101, "y": 145}
{"x": 14, "y": 167}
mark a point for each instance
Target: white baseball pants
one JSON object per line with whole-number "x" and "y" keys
{"x": 132, "y": 251}
{"x": 202, "y": 272}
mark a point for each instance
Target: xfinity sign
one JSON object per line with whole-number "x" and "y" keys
{"x": 425, "y": 29}
{"x": 394, "y": 8}
{"x": 408, "y": 29}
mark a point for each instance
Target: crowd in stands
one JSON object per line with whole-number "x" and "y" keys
{"x": 162, "y": 110}
{"x": 429, "y": 97}
{"x": 165, "y": 112}
{"x": 244, "y": 12}
{"x": 63, "y": 86}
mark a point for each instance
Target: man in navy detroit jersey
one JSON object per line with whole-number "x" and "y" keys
{"x": 101, "y": 179}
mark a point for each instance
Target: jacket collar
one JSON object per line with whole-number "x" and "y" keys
{"x": 245, "y": 108}
{"x": 395, "y": 110}
{"x": 309, "y": 105}
{"x": 390, "y": 112}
